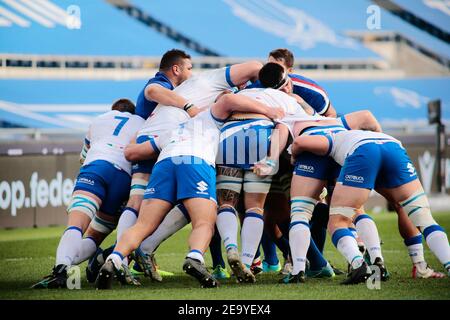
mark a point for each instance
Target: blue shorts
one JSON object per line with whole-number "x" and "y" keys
{"x": 317, "y": 167}
{"x": 242, "y": 143}
{"x": 108, "y": 182}
{"x": 183, "y": 177}
{"x": 145, "y": 166}
{"x": 374, "y": 165}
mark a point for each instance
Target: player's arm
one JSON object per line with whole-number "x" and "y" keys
{"x": 278, "y": 141}
{"x": 361, "y": 120}
{"x": 141, "y": 151}
{"x": 242, "y": 72}
{"x": 308, "y": 109}
{"x": 331, "y": 112}
{"x": 229, "y": 103}
{"x": 162, "y": 95}
{"x": 320, "y": 145}
{"x": 86, "y": 146}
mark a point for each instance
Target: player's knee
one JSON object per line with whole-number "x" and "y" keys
{"x": 254, "y": 210}
{"x": 137, "y": 190}
{"x": 83, "y": 203}
{"x": 418, "y": 210}
{"x": 227, "y": 208}
{"x": 347, "y": 212}
{"x": 102, "y": 226}
{"x": 302, "y": 208}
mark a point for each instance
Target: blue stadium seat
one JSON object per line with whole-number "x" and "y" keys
{"x": 254, "y": 27}
{"x": 40, "y": 28}
{"x": 60, "y": 104}
{"x": 429, "y": 12}
{"x": 72, "y": 104}
{"x": 390, "y": 100}
{"x": 351, "y": 15}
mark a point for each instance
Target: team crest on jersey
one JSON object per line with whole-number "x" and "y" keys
{"x": 353, "y": 178}
{"x": 202, "y": 186}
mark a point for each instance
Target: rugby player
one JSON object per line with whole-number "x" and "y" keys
{"x": 101, "y": 188}
{"x": 372, "y": 160}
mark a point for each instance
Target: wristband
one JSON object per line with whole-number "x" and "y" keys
{"x": 187, "y": 106}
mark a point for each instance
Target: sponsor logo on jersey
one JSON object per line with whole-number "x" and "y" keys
{"x": 411, "y": 169}
{"x": 353, "y": 178}
{"x": 150, "y": 191}
{"x": 86, "y": 181}
{"x": 202, "y": 186}
{"x": 303, "y": 167}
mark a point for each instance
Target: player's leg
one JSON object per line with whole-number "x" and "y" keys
{"x": 203, "y": 213}
{"x": 156, "y": 204}
{"x": 174, "y": 221}
{"x": 414, "y": 201}
{"x": 413, "y": 241}
{"x": 277, "y": 210}
{"x": 81, "y": 210}
{"x": 356, "y": 179}
{"x": 215, "y": 248}
{"x": 400, "y": 181}
{"x": 229, "y": 184}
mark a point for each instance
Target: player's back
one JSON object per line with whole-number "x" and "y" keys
{"x": 197, "y": 137}
{"x": 201, "y": 89}
{"x": 345, "y": 142}
{"x": 108, "y": 136}
{"x": 274, "y": 99}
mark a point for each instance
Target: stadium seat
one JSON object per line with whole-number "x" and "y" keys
{"x": 44, "y": 27}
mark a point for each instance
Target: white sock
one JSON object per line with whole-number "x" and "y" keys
{"x": 174, "y": 221}
{"x": 87, "y": 249}
{"x": 415, "y": 252}
{"x": 196, "y": 254}
{"x": 368, "y": 232}
{"x": 347, "y": 246}
{"x": 127, "y": 219}
{"x": 299, "y": 239}
{"x": 438, "y": 243}
{"x": 251, "y": 233}
{"x": 116, "y": 258}
{"x": 69, "y": 246}
{"x": 227, "y": 224}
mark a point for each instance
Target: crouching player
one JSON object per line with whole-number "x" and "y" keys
{"x": 372, "y": 160}
{"x": 101, "y": 188}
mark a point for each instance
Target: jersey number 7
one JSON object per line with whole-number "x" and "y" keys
{"x": 119, "y": 127}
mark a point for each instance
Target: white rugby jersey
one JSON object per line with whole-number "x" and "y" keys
{"x": 108, "y": 136}
{"x": 344, "y": 143}
{"x": 274, "y": 99}
{"x": 198, "y": 137}
{"x": 201, "y": 90}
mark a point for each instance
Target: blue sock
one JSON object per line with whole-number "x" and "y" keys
{"x": 316, "y": 260}
{"x": 270, "y": 250}
{"x": 319, "y": 224}
{"x": 283, "y": 244}
{"x": 215, "y": 247}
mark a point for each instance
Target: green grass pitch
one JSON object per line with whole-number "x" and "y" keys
{"x": 26, "y": 255}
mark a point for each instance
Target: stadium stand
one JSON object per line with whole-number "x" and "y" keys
{"x": 50, "y": 27}
{"x": 71, "y": 104}
{"x": 429, "y": 15}
{"x": 269, "y": 24}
